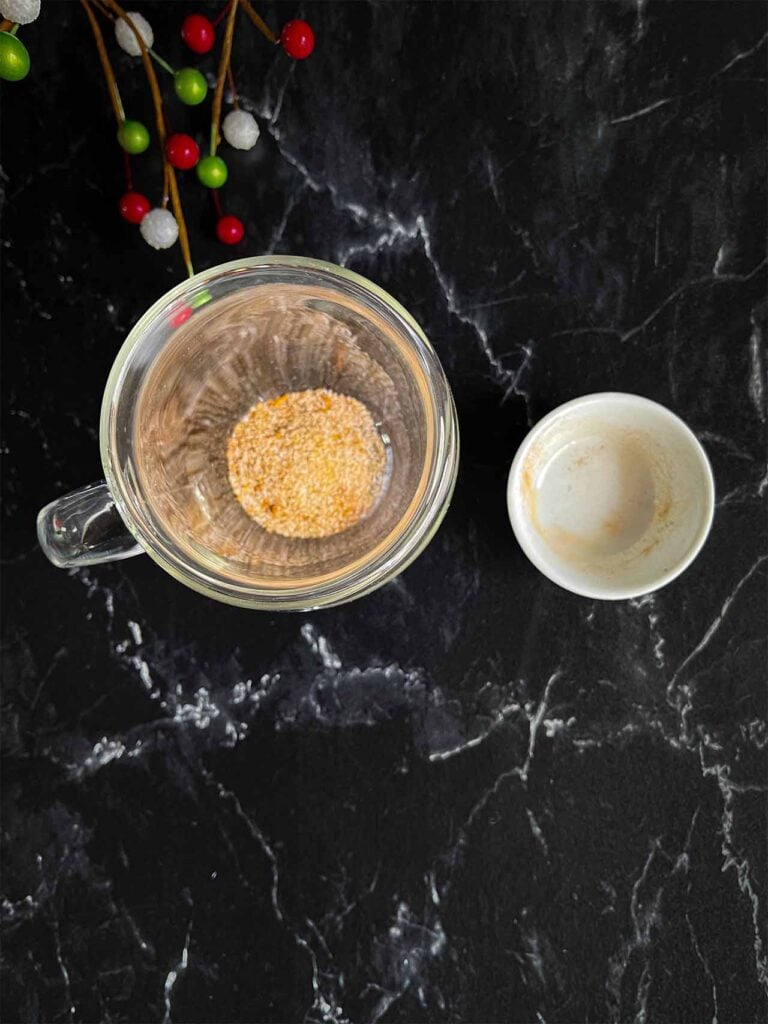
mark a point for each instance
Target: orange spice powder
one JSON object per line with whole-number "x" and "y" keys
{"x": 306, "y": 464}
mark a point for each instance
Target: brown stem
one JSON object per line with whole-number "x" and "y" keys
{"x": 166, "y": 183}
{"x": 179, "y": 215}
{"x": 232, "y": 89}
{"x": 103, "y": 9}
{"x": 258, "y": 22}
{"x": 106, "y": 66}
{"x": 226, "y": 53}
{"x": 157, "y": 100}
{"x": 5, "y": 25}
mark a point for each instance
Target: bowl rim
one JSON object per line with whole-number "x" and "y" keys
{"x": 391, "y": 560}
{"x": 518, "y": 519}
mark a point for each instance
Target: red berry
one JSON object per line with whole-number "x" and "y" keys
{"x": 182, "y": 152}
{"x": 229, "y": 230}
{"x": 198, "y": 33}
{"x": 298, "y": 39}
{"x": 134, "y": 207}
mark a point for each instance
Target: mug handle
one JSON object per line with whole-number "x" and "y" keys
{"x": 84, "y": 528}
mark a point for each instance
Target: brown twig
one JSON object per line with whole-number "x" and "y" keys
{"x": 232, "y": 89}
{"x": 260, "y": 24}
{"x": 103, "y": 9}
{"x": 157, "y": 99}
{"x": 226, "y": 53}
{"x": 166, "y": 183}
{"x": 179, "y": 215}
{"x": 5, "y": 24}
{"x": 106, "y": 66}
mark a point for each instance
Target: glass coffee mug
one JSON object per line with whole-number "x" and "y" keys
{"x": 192, "y": 367}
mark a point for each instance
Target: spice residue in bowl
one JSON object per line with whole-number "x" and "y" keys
{"x": 307, "y": 463}
{"x": 599, "y": 495}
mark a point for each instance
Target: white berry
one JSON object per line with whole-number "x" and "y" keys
{"x": 126, "y": 40}
{"x": 21, "y": 12}
{"x": 159, "y": 228}
{"x": 240, "y": 129}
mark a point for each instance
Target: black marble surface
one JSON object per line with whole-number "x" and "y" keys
{"x": 470, "y": 796}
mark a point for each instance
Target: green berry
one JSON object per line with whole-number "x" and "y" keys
{"x": 212, "y": 172}
{"x": 14, "y": 59}
{"x": 190, "y": 86}
{"x": 133, "y": 137}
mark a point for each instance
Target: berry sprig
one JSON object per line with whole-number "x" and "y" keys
{"x": 229, "y": 229}
{"x": 212, "y": 172}
{"x": 296, "y": 37}
{"x": 159, "y": 226}
{"x": 132, "y": 135}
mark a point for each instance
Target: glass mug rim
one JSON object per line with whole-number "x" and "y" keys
{"x": 401, "y": 547}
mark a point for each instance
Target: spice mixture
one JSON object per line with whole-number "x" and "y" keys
{"x": 306, "y": 464}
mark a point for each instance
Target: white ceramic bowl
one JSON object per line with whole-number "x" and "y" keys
{"x": 611, "y": 496}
